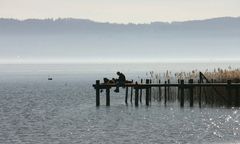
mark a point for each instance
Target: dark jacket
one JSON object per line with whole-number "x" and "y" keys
{"x": 122, "y": 77}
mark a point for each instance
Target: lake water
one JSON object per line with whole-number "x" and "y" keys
{"x": 34, "y": 110}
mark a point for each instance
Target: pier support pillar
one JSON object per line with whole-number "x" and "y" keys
{"x": 150, "y": 92}
{"x": 136, "y": 95}
{"x": 147, "y": 93}
{"x": 191, "y": 92}
{"x": 126, "y": 96}
{"x": 159, "y": 91}
{"x": 182, "y": 93}
{"x": 168, "y": 91}
{"x": 97, "y": 93}
{"x": 107, "y": 97}
{"x": 165, "y": 93}
{"x": 141, "y": 92}
{"x": 131, "y": 93}
{"x": 229, "y": 83}
{"x": 237, "y": 95}
{"x": 200, "y": 95}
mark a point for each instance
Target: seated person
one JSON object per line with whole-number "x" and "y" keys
{"x": 120, "y": 81}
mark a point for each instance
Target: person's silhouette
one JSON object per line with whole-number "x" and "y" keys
{"x": 120, "y": 81}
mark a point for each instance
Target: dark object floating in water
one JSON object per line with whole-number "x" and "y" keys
{"x": 50, "y": 78}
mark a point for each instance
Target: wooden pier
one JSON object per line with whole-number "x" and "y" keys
{"x": 226, "y": 94}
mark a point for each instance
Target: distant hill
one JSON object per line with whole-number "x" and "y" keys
{"x": 74, "y": 38}
{"x": 80, "y": 26}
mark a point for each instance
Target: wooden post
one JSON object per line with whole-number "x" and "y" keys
{"x": 200, "y": 90}
{"x": 97, "y": 93}
{"x": 191, "y": 92}
{"x": 237, "y": 95}
{"x": 205, "y": 95}
{"x": 178, "y": 91}
{"x": 108, "y": 97}
{"x": 168, "y": 90}
{"x": 229, "y": 83}
{"x": 182, "y": 94}
{"x": 147, "y": 93}
{"x": 159, "y": 91}
{"x": 131, "y": 93}
{"x": 200, "y": 95}
{"x": 126, "y": 96}
{"x": 136, "y": 94}
{"x": 165, "y": 93}
{"x": 150, "y": 92}
{"x": 212, "y": 97}
{"x": 141, "y": 92}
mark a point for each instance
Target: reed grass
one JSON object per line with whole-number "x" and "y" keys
{"x": 218, "y": 75}
{"x": 213, "y": 96}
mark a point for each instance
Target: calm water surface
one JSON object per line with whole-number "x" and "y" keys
{"x": 36, "y": 111}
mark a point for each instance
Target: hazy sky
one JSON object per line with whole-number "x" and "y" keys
{"x": 120, "y": 11}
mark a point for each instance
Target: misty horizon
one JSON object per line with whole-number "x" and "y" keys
{"x": 85, "y": 41}
{"x": 118, "y": 23}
